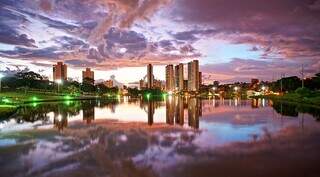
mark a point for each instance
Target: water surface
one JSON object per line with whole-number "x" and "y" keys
{"x": 173, "y": 137}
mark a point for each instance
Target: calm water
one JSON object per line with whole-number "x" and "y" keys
{"x": 131, "y": 137}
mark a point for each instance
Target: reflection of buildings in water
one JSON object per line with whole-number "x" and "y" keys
{"x": 113, "y": 108}
{"x": 179, "y": 111}
{"x": 150, "y": 111}
{"x": 209, "y": 105}
{"x": 149, "y": 107}
{"x": 60, "y": 121}
{"x": 236, "y": 101}
{"x": 88, "y": 114}
{"x": 199, "y": 102}
{"x": 170, "y": 111}
{"x": 254, "y": 103}
{"x": 193, "y": 112}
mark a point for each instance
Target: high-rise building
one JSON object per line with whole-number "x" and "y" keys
{"x": 193, "y": 75}
{"x": 88, "y": 76}
{"x": 150, "y": 76}
{"x": 179, "y": 77}
{"x": 185, "y": 84}
{"x": 60, "y": 72}
{"x": 169, "y": 78}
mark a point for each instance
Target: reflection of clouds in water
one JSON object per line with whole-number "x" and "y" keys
{"x": 13, "y": 125}
{"x": 162, "y": 150}
{"x": 167, "y": 151}
{"x": 46, "y": 152}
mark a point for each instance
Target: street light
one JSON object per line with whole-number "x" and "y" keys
{"x": 1, "y": 76}
{"x": 236, "y": 89}
{"x": 59, "y": 81}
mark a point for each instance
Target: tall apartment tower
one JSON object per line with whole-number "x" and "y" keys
{"x": 60, "y": 71}
{"x": 193, "y": 75}
{"x": 150, "y": 77}
{"x": 179, "y": 77}
{"x": 169, "y": 78}
{"x": 88, "y": 76}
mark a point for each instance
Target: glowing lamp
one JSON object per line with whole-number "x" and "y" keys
{"x": 59, "y": 81}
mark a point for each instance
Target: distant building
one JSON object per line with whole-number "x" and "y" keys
{"x": 193, "y": 75}
{"x": 169, "y": 78}
{"x": 60, "y": 72}
{"x": 108, "y": 83}
{"x": 158, "y": 84}
{"x": 150, "y": 77}
{"x": 142, "y": 84}
{"x": 179, "y": 77}
{"x": 88, "y": 76}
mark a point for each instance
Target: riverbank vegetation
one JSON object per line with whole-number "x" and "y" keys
{"x": 300, "y": 96}
{"x": 7, "y": 110}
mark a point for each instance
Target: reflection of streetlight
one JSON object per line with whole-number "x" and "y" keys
{"x": 1, "y": 76}
{"x": 59, "y": 81}
{"x": 59, "y": 117}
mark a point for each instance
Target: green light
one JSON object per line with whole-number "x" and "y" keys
{"x": 67, "y": 97}
{"x": 67, "y": 102}
{"x": 34, "y": 104}
{"x": 164, "y": 95}
{"x": 148, "y": 95}
{"x": 5, "y": 100}
{"x": 34, "y": 98}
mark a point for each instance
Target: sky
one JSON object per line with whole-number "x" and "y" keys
{"x": 234, "y": 40}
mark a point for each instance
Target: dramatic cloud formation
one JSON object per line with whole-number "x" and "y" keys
{"x": 234, "y": 40}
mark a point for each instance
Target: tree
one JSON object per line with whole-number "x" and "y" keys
{"x": 101, "y": 88}
{"x": 288, "y": 84}
{"x": 216, "y": 83}
{"x": 85, "y": 87}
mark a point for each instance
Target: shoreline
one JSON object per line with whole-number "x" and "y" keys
{"x": 303, "y": 101}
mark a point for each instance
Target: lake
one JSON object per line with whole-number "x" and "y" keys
{"x": 175, "y": 136}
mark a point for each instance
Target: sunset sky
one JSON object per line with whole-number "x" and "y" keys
{"x": 234, "y": 40}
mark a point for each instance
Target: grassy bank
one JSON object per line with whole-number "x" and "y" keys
{"x": 298, "y": 97}
{"x": 16, "y": 98}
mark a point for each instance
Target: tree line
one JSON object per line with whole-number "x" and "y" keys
{"x": 34, "y": 81}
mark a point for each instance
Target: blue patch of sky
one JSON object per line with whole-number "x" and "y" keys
{"x": 221, "y": 51}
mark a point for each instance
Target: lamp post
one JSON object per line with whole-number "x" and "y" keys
{"x": 1, "y": 76}
{"x": 59, "y": 81}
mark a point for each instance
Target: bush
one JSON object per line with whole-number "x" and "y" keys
{"x": 303, "y": 92}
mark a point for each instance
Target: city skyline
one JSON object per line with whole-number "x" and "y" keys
{"x": 258, "y": 40}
